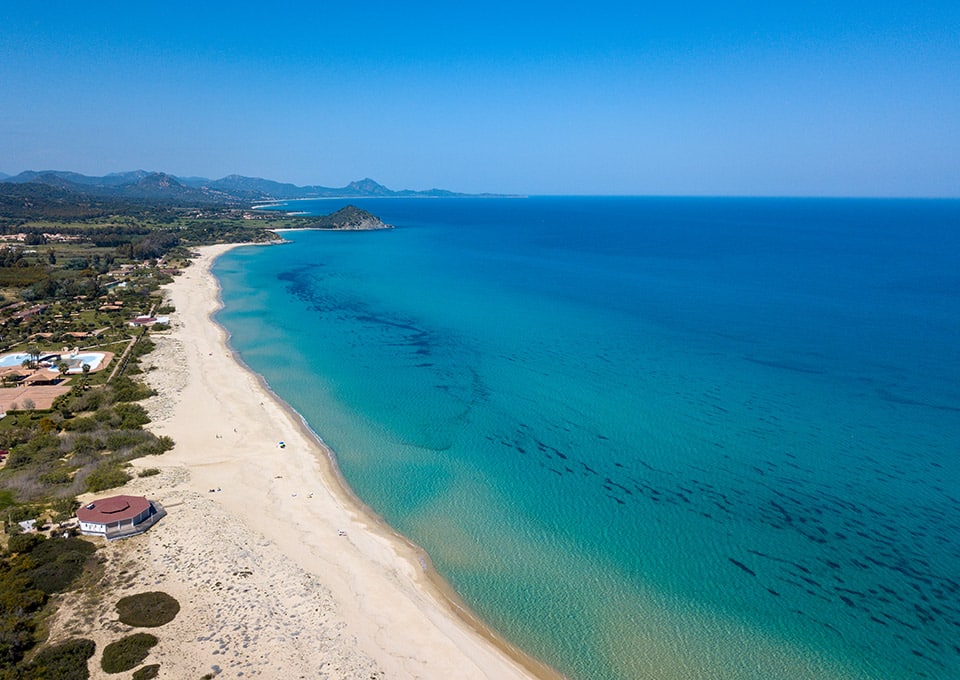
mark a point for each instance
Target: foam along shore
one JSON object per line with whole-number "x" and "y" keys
{"x": 280, "y": 571}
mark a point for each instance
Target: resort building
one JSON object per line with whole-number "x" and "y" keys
{"x": 119, "y": 516}
{"x": 148, "y": 320}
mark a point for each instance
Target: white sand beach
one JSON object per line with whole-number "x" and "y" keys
{"x": 280, "y": 572}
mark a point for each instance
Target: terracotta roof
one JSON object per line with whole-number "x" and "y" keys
{"x": 113, "y": 509}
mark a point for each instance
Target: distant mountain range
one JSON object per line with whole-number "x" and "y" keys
{"x": 233, "y": 189}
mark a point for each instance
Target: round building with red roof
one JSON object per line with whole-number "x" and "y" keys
{"x": 118, "y": 516}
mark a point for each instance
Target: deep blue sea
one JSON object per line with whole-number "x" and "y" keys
{"x": 645, "y": 437}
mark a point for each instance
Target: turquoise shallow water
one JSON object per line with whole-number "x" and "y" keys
{"x": 645, "y": 438}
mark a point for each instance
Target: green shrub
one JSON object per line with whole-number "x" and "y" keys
{"x": 106, "y": 416}
{"x": 21, "y": 512}
{"x": 58, "y": 476}
{"x": 7, "y": 499}
{"x": 61, "y": 404}
{"x": 147, "y": 610}
{"x": 12, "y": 436}
{"x": 147, "y": 672}
{"x": 23, "y": 543}
{"x": 64, "y": 661}
{"x": 25, "y": 581}
{"x": 125, "y": 390}
{"x": 64, "y": 508}
{"x": 84, "y": 400}
{"x": 39, "y": 450}
{"x": 142, "y": 348}
{"x": 125, "y": 439}
{"x": 154, "y": 447}
{"x": 127, "y": 652}
{"x": 85, "y": 444}
{"x": 83, "y": 424}
{"x": 57, "y": 562}
{"x": 148, "y": 472}
{"x": 132, "y": 416}
{"x": 18, "y": 599}
{"x": 107, "y": 475}
{"x": 16, "y": 638}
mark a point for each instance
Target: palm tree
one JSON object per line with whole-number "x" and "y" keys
{"x": 33, "y": 356}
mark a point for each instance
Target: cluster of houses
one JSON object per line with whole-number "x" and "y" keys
{"x": 114, "y": 517}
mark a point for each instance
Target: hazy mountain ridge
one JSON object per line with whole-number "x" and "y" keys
{"x": 34, "y": 199}
{"x": 232, "y": 189}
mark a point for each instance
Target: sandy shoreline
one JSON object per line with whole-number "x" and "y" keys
{"x": 280, "y": 571}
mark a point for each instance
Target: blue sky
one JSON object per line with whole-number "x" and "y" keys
{"x": 744, "y": 98}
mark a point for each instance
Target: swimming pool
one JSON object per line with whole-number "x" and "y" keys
{"x": 75, "y": 361}
{"x": 13, "y": 359}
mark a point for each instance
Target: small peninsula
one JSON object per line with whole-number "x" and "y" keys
{"x": 349, "y": 218}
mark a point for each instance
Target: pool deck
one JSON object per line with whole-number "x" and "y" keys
{"x": 42, "y": 395}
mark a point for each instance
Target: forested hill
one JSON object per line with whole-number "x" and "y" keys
{"x": 349, "y": 218}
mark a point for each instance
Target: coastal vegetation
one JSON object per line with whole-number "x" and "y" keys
{"x": 64, "y": 661}
{"x": 349, "y": 218}
{"x": 126, "y": 653}
{"x": 33, "y": 569}
{"x": 76, "y": 272}
{"x": 147, "y": 610}
{"x": 147, "y": 672}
